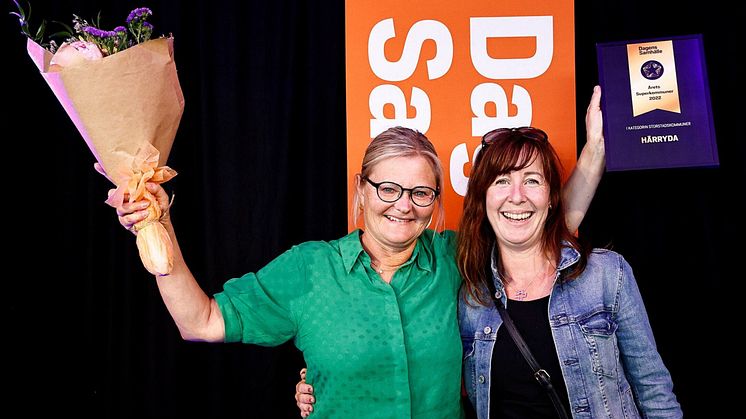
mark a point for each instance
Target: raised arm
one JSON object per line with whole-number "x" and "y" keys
{"x": 196, "y": 315}
{"x": 581, "y": 186}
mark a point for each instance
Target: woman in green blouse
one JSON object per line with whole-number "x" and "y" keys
{"x": 373, "y": 312}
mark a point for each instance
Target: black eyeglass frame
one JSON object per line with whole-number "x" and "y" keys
{"x": 402, "y": 189}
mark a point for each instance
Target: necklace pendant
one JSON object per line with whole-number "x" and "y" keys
{"x": 376, "y": 268}
{"x": 520, "y": 295}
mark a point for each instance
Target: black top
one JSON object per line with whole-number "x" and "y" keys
{"x": 514, "y": 392}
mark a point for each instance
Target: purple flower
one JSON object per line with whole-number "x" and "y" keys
{"x": 90, "y": 30}
{"x": 99, "y": 33}
{"x": 136, "y": 31}
{"x": 140, "y": 12}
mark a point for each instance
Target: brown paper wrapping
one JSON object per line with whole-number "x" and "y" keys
{"x": 127, "y": 106}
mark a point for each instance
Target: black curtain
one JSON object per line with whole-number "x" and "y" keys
{"x": 261, "y": 156}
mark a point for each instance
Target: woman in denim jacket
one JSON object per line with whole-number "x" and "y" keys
{"x": 580, "y": 311}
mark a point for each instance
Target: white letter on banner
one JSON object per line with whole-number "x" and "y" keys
{"x": 405, "y": 67}
{"x": 493, "y": 92}
{"x": 459, "y": 157}
{"x": 540, "y": 27}
{"x": 388, "y": 93}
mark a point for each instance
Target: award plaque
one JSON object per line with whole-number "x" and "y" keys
{"x": 656, "y": 104}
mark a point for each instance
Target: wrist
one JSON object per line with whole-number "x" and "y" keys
{"x": 595, "y": 147}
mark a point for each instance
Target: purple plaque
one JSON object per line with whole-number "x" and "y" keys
{"x": 656, "y": 104}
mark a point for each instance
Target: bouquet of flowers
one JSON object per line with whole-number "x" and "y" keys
{"x": 121, "y": 91}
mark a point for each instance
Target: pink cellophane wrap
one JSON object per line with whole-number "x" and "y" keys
{"x": 127, "y": 106}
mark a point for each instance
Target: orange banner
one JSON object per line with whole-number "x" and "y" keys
{"x": 456, "y": 70}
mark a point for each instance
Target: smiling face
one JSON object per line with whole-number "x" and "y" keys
{"x": 517, "y": 205}
{"x": 395, "y": 226}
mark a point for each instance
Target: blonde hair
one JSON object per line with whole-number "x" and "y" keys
{"x": 400, "y": 142}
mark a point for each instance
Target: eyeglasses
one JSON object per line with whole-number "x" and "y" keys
{"x": 422, "y": 196}
{"x": 527, "y": 132}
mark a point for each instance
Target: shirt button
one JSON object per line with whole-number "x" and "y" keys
{"x": 498, "y": 295}
{"x": 481, "y": 379}
{"x": 487, "y": 330}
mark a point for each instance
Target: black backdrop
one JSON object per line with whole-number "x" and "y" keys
{"x": 261, "y": 156}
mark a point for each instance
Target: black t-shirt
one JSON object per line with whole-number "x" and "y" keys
{"x": 515, "y": 393}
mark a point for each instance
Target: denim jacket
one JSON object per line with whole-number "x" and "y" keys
{"x": 603, "y": 339}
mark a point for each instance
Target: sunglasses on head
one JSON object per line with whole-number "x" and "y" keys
{"x": 527, "y": 132}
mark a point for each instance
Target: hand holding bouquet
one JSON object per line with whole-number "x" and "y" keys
{"x": 121, "y": 91}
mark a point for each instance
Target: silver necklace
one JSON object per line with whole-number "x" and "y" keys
{"x": 376, "y": 267}
{"x": 373, "y": 265}
{"x": 522, "y": 293}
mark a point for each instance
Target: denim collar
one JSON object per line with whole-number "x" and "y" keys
{"x": 568, "y": 257}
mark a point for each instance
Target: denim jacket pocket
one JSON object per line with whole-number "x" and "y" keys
{"x": 599, "y": 332}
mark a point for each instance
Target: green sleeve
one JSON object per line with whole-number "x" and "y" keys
{"x": 263, "y": 308}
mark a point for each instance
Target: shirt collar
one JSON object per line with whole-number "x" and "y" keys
{"x": 568, "y": 256}
{"x": 351, "y": 250}
{"x": 493, "y": 266}
{"x": 422, "y": 254}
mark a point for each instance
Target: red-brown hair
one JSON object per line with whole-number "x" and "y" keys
{"x": 505, "y": 150}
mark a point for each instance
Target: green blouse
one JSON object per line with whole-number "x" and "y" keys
{"x": 373, "y": 350}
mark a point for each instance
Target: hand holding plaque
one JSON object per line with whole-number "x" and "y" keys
{"x": 656, "y": 104}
